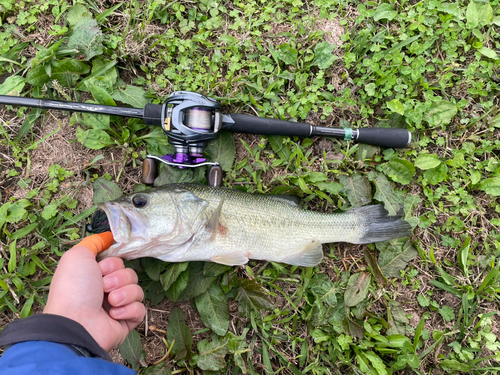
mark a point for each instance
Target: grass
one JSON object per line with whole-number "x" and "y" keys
{"x": 428, "y": 304}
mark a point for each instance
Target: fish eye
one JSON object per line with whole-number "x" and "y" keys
{"x": 139, "y": 201}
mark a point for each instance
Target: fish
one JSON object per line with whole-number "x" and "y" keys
{"x": 189, "y": 222}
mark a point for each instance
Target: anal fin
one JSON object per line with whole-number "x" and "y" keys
{"x": 311, "y": 255}
{"x": 231, "y": 259}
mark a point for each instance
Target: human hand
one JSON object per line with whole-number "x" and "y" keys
{"x": 78, "y": 292}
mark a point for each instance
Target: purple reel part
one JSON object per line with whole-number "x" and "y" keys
{"x": 181, "y": 158}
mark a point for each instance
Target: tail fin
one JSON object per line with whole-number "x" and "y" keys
{"x": 379, "y": 226}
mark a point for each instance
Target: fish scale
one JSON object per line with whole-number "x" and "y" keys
{"x": 186, "y": 222}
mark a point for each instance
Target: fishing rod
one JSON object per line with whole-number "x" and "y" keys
{"x": 190, "y": 120}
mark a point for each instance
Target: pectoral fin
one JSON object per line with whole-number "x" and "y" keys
{"x": 311, "y": 255}
{"x": 232, "y": 259}
{"x": 214, "y": 220}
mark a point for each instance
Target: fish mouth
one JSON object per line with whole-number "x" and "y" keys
{"x": 125, "y": 225}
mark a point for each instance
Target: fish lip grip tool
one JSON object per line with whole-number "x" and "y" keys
{"x": 190, "y": 120}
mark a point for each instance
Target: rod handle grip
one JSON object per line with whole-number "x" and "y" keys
{"x": 267, "y": 126}
{"x": 385, "y": 137}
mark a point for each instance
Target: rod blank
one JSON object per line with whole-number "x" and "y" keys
{"x": 72, "y": 106}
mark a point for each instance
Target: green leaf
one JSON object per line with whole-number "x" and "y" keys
{"x": 153, "y": 291}
{"x": 376, "y": 362}
{"x": 396, "y": 106}
{"x": 282, "y": 149}
{"x": 13, "y": 257}
{"x": 50, "y": 211}
{"x": 103, "y": 74}
{"x": 454, "y": 365}
{"x": 105, "y": 191}
{"x": 252, "y": 297}
{"x": 132, "y": 351}
{"x": 463, "y": 256}
{"x": 427, "y": 161}
{"x": 102, "y": 96}
{"x": 160, "y": 369}
{"x": 441, "y": 113}
{"x": 491, "y": 186}
{"x": 399, "y": 170}
{"x": 418, "y": 332}
{"x": 212, "y": 353}
{"x": 436, "y": 175}
{"x": 472, "y": 15}
{"x": 37, "y": 76}
{"x": 423, "y": 300}
{"x": 178, "y": 286}
{"x": 178, "y": 330}
{"x": 384, "y": 192}
{"x": 169, "y": 174}
{"x": 171, "y": 274}
{"x": 212, "y": 306}
{"x": 215, "y": 269}
{"x": 27, "y": 125}
{"x": 77, "y": 13}
{"x": 488, "y": 53}
{"x": 447, "y": 313}
{"x": 357, "y": 188}
{"x": 370, "y": 88}
{"x": 222, "y": 150}
{"x": 134, "y": 96}
{"x": 68, "y": 71}
{"x": 94, "y": 121}
{"x": 287, "y": 54}
{"x": 198, "y": 283}
{"x": 87, "y": 38}
{"x": 333, "y": 188}
{"x": 392, "y": 262}
{"x": 485, "y": 14}
{"x": 385, "y": 12}
{"x": 495, "y": 121}
{"x": 13, "y": 85}
{"x": 26, "y": 310}
{"x": 323, "y": 288}
{"x": 94, "y": 139}
{"x": 357, "y": 288}
{"x": 153, "y": 267}
{"x": 324, "y": 55}
{"x": 23, "y": 231}
{"x": 17, "y": 211}
{"x": 4, "y": 208}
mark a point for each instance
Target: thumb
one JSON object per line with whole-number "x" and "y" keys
{"x": 97, "y": 243}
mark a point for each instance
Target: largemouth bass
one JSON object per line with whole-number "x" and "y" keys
{"x": 184, "y": 222}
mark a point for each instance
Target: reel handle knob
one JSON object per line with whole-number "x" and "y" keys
{"x": 148, "y": 171}
{"x": 214, "y": 176}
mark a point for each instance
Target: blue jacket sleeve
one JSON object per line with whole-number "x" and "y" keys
{"x": 43, "y": 357}
{"x": 53, "y": 344}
